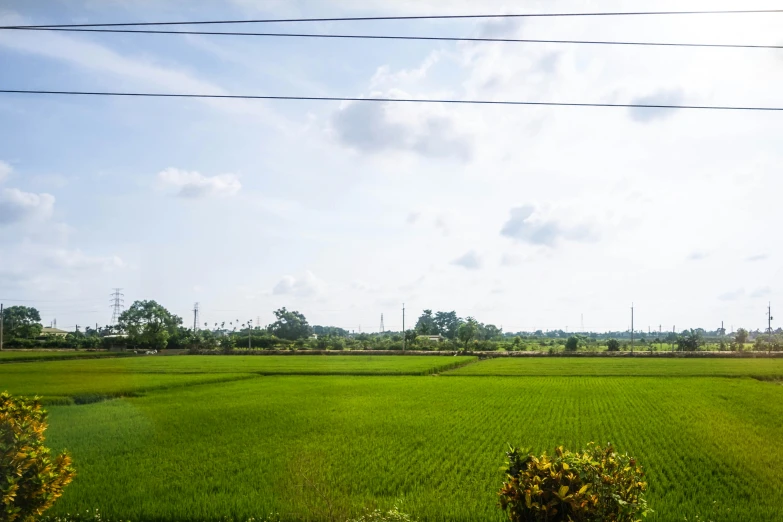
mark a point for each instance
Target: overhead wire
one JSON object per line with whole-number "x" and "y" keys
{"x": 392, "y": 100}
{"x": 415, "y": 17}
{"x": 403, "y": 38}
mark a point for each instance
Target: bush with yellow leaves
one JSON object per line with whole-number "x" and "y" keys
{"x": 597, "y": 484}
{"x": 30, "y": 479}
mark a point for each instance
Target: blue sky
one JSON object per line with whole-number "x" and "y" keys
{"x": 529, "y": 218}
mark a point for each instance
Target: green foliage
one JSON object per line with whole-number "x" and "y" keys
{"x": 448, "y": 324}
{"x": 426, "y": 324}
{"x": 572, "y": 344}
{"x": 149, "y": 325}
{"x": 467, "y": 331}
{"x": 597, "y": 484}
{"x": 689, "y": 341}
{"x": 741, "y": 336}
{"x": 290, "y": 325}
{"x": 21, "y": 321}
{"x": 768, "y": 343}
{"x": 31, "y": 480}
{"x": 613, "y": 345}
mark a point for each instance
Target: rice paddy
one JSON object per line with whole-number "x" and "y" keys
{"x": 245, "y": 446}
{"x": 52, "y": 355}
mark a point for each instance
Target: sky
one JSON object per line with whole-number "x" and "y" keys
{"x": 524, "y": 217}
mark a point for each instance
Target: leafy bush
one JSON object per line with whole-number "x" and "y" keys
{"x": 597, "y": 484}
{"x": 572, "y": 344}
{"x": 613, "y": 345}
{"x": 30, "y": 479}
{"x": 689, "y": 341}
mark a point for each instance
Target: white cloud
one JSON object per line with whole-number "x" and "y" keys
{"x": 16, "y": 206}
{"x": 660, "y": 97}
{"x": 305, "y": 286}
{"x": 5, "y": 170}
{"x": 469, "y": 260}
{"x": 377, "y": 127}
{"x": 732, "y": 295}
{"x": 698, "y": 255}
{"x": 78, "y": 260}
{"x": 191, "y": 184}
{"x": 764, "y": 291}
{"x": 527, "y": 224}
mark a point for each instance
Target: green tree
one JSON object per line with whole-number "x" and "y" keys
{"x": 426, "y": 324}
{"x": 689, "y": 341}
{"x": 490, "y": 332}
{"x": 467, "y": 331}
{"x": 613, "y": 345}
{"x": 149, "y": 325}
{"x": 447, "y": 324}
{"x": 741, "y": 336}
{"x": 572, "y": 344}
{"x": 21, "y": 321}
{"x": 290, "y": 325}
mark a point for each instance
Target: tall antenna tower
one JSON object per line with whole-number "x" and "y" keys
{"x": 117, "y": 304}
{"x": 382, "y": 329}
{"x": 195, "y": 317}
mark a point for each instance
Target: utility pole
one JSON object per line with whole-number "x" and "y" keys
{"x": 631, "y": 328}
{"x": 195, "y": 317}
{"x": 769, "y": 323}
{"x": 403, "y": 327}
{"x": 249, "y": 332}
{"x": 1, "y": 327}
{"x": 382, "y": 329}
{"x": 674, "y": 335}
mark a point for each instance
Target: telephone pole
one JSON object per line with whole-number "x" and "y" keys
{"x": 1, "y": 327}
{"x": 382, "y": 329}
{"x": 769, "y": 320}
{"x": 631, "y": 328}
{"x": 403, "y": 327}
{"x": 195, "y": 317}
{"x": 249, "y": 332}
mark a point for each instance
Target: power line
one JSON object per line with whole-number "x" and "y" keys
{"x": 417, "y": 17}
{"x": 398, "y": 37}
{"x": 394, "y": 100}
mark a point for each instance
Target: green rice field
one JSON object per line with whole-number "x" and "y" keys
{"x": 52, "y": 355}
{"x": 624, "y": 366}
{"x": 269, "y": 438}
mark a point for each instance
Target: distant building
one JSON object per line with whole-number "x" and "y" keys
{"x": 54, "y": 331}
{"x": 433, "y": 337}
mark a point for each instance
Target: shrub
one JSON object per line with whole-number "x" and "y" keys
{"x": 613, "y": 345}
{"x": 30, "y": 479}
{"x": 597, "y": 484}
{"x": 572, "y": 343}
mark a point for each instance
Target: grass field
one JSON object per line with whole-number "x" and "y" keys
{"x": 242, "y": 448}
{"x": 30, "y": 355}
{"x": 630, "y": 366}
{"x": 259, "y": 364}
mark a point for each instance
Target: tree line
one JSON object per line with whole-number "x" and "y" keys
{"x": 149, "y": 325}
